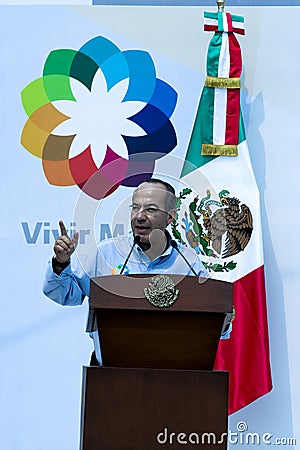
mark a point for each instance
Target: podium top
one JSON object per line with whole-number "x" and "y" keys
{"x": 127, "y": 292}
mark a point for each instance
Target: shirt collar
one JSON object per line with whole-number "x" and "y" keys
{"x": 140, "y": 250}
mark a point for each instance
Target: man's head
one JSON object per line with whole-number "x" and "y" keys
{"x": 153, "y": 208}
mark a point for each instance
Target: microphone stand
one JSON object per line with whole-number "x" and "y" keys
{"x": 174, "y": 245}
{"x": 136, "y": 240}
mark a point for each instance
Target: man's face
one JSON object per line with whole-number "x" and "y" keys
{"x": 149, "y": 211}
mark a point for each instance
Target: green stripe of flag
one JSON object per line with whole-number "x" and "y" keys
{"x": 237, "y": 18}
{"x": 193, "y": 158}
{"x": 210, "y": 15}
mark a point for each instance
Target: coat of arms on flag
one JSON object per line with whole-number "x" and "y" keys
{"x": 214, "y": 227}
{"x": 224, "y": 225}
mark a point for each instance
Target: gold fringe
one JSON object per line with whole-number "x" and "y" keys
{"x": 219, "y": 150}
{"x": 224, "y": 83}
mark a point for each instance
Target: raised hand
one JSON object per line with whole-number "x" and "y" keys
{"x": 64, "y": 246}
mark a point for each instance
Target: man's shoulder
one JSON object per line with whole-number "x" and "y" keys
{"x": 119, "y": 244}
{"x": 194, "y": 258}
{"x": 113, "y": 241}
{"x": 187, "y": 250}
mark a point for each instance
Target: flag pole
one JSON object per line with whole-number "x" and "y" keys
{"x": 221, "y": 5}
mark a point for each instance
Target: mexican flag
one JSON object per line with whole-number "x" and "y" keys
{"x": 219, "y": 212}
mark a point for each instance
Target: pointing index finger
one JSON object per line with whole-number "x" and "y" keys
{"x": 63, "y": 228}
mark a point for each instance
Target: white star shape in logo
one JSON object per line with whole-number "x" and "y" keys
{"x": 99, "y": 118}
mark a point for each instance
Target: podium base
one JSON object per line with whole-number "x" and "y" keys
{"x": 149, "y": 409}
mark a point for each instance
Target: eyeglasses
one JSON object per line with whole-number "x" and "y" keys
{"x": 149, "y": 211}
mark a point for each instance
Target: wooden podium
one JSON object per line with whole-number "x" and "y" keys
{"x": 157, "y": 387}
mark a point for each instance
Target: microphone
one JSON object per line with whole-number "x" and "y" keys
{"x": 174, "y": 245}
{"x": 136, "y": 240}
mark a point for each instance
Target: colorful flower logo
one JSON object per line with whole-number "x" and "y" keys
{"x": 98, "y": 117}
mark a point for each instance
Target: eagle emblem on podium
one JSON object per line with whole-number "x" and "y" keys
{"x": 161, "y": 291}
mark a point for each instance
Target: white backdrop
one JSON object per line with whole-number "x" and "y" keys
{"x": 43, "y": 346}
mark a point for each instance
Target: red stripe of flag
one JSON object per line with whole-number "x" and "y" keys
{"x": 233, "y": 95}
{"x": 229, "y": 21}
{"x": 238, "y": 30}
{"x": 235, "y": 57}
{"x": 246, "y": 354}
{"x": 210, "y": 28}
{"x": 232, "y": 117}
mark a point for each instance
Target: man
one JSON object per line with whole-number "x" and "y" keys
{"x": 153, "y": 209}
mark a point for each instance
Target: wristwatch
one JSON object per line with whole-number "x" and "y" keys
{"x": 55, "y": 263}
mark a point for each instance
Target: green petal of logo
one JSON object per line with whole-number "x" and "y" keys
{"x": 95, "y": 107}
{"x": 216, "y": 228}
